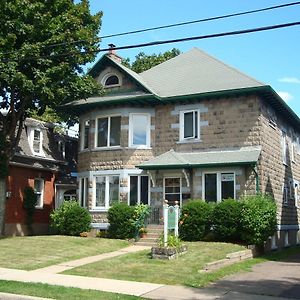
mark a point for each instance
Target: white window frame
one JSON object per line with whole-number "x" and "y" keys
{"x": 219, "y": 183}
{"x": 181, "y": 122}
{"x": 82, "y": 134}
{"x": 108, "y": 132}
{"x": 284, "y": 146}
{"x": 83, "y": 190}
{"x": 40, "y": 203}
{"x": 285, "y": 194}
{"x": 31, "y": 140}
{"x": 62, "y": 148}
{"x": 164, "y": 185}
{"x": 296, "y": 193}
{"x": 106, "y": 76}
{"x": 107, "y": 193}
{"x": 148, "y": 131}
{"x": 139, "y": 188}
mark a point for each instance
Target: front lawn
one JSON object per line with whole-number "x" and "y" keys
{"x": 29, "y": 253}
{"x": 58, "y": 292}
{"x": 140, "y": 267}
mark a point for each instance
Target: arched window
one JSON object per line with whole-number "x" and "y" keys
{"x": 111, "y": 80}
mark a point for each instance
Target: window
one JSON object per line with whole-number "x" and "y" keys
{"x": 190, "y": 124}
{"x": 272, "y": 118}
{"x": 296, "y": 193}
{"x": 218, "y": 186}
{"x": 106, "y": 191}
{"x": 139, "y": 130}
{"x": 70, "y": 195}
{"x": 139, "y": 190}
{"x": 62, "y": 148}
{"x": 285, "y": 194}
{"x": 35, "y": 138}
{"x": 284, "y": 146}
{"x": 85, "y": 134}
{"x": 83, "y": 191}
{"x": 108, "y": 131}
{"x": 111, "y": 80}
{"x": 172, "y": 190}
{"x": 39, "y": 191}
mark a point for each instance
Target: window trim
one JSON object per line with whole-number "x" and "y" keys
{"x": 108, "y": 131}
{"x": 139, "y": 188}
{"x": 40, "y": 205}
{"x": 31, "y": 140}
{"x": 181, "y": 125}
{"x": 219, "y": 183}
{"x": 106, "y": 76}
{"x": 107, "y": 192}
{"x": 148, "y": 131}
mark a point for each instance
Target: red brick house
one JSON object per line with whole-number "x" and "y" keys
{"x": 45, "y": 161}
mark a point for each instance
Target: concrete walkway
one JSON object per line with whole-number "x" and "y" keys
{"x": 268, "y": 281}
{"x": 61, "y": 267}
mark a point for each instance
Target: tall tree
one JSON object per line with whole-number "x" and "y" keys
{"x": 144, "y": 62}
{"x": 41, "y": 64}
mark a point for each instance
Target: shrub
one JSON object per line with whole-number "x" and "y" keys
{"x": 195, "y": 220}
{"x": 172, "y": 242}
{"x": 258, "y": 219}
{"x": 141, "y": 212}
{"x": 226, "y": 217}
{"x": 70, "y": 219}
{"x": 120, "y": 218}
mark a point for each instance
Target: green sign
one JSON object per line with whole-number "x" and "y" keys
{"x": 171, "y": 217}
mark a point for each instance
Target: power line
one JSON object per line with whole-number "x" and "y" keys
{"x": 155, "y": 43}
{"x": 202, "y": 20}
{"x": 170, "y": 25}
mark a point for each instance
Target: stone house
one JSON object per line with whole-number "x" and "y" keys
{"x": 191, "y": 127}
{"x": 46, "y": 161}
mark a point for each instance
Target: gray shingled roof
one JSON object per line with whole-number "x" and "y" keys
{"x": 195, "y": 72}
{"x": 172, "y": 159}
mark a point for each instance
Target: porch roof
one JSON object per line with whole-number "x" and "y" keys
{"x": 215, "y": 158}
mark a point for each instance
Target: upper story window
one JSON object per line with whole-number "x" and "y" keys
{"x": 108, "y": 131}
{"x": 85, "y": 134}
{"x": 62, "y": 148}
{"x": 39, "y": 191}
{"x": 111, "y": 80}
{"x": 139, "y": 130}
{"x": 284, "y": 146}
{"x": 35, "y": 138}
{"x": 190, "y": 124}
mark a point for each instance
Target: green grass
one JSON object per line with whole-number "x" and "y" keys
{"x": 29, "y": 253}
{"x": 140, "y": 267}
{"x": 58, "y": 292}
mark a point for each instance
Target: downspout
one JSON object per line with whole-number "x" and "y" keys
{"x": 256, "y": 179}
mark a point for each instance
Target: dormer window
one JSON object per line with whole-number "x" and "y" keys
{"x": 111, "y": 80}
{"x": 35, "y": 138}
{"x": 62, "y": 148}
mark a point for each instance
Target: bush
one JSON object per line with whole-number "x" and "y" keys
{"x": 226, "y": 218}
{"x": 258, "y": 219}
{"x": 120, "y": 218}
{"x": 70, "y": 219}
{"x": 195, "y": 220}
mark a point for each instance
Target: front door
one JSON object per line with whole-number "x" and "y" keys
{"x": 172, "y": 190}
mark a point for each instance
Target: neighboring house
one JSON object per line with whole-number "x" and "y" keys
{"x": 46, "y": 161}
{"x": 191, "y": 127}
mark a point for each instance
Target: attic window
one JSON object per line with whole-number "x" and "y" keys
{"x": 111, "y": 80}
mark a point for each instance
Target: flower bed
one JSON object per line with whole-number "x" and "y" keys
{"x": 167, "y": 252}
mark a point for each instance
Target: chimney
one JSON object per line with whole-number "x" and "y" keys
{"x": 112, "y": 53}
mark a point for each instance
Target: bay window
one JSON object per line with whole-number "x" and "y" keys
{"x": 108, "y": 131}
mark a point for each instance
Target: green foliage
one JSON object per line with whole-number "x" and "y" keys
{"x": 70, "y": 219}
{"x": 226, "y": 218}
{"x": 195, "y": 220}
{"x": 29, "y": 203}
{"x": 172, "y": 242}
{"x": 120, "y": 218}
{"x": 144, "y": 62}
{"x": 141, "y": 212}
{"x": 258, "y": 219}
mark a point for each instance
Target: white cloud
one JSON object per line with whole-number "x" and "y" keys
{"x": 285, "y": 96}
{"x": 289, "y": 80}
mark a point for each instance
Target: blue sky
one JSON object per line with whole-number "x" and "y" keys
{"x": 272, "y": 57}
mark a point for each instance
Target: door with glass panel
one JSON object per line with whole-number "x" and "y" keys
{"x": 172, "y": 190}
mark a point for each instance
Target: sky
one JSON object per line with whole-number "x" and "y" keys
{"x": 272, "y": 57}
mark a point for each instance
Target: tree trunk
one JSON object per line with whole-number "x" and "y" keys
{"x": 2, "y": 204}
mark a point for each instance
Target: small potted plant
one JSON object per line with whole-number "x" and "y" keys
{"x": 143, "y": 232}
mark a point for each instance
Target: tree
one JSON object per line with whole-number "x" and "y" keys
{"x": 144, "y": 62}
{"x": 41, "y": 64}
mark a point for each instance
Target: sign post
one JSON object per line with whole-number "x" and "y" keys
{"x": 176, "y": 208}
{"x": 165, "y": 214}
